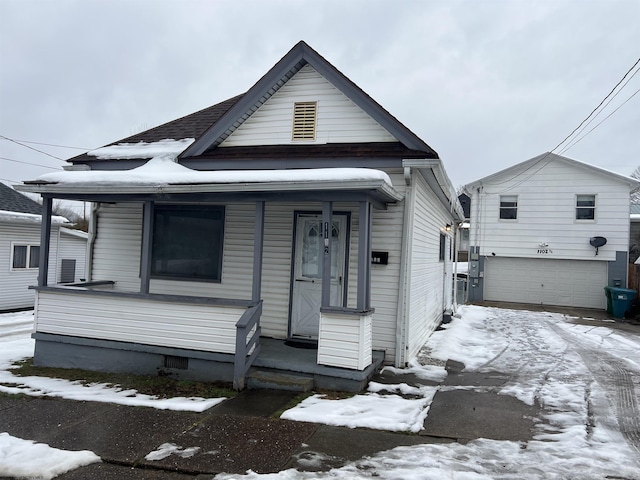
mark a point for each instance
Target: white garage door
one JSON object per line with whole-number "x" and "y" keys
{"x": 572, "y": 283}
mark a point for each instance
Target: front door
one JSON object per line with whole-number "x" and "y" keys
{"x": 307, "y": 271}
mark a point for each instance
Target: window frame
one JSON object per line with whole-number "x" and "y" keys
{"x": 28, "y": 257}
{"x": 162, "y": 209}
{"x": 443, "y": 247}
{"x": 592, "y": 208}
{"x": 502, "y": 209}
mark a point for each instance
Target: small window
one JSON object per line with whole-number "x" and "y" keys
{"x": 187, "y": 242}
{"x": 304, "y": 120}
{"x": 25, "y": 256}
{"x": 508, "y": 207}
{"x": 585, "y": 207}
{"x": 443, "y": 243}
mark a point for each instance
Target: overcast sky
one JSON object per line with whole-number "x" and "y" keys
{"x": 487, "y": 84}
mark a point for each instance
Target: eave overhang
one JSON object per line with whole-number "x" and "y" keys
{"x": 376, "y": 190}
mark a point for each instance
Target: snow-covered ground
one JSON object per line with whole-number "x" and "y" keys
{"x": 586, "y": 378}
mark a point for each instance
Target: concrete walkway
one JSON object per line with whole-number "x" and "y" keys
{"x": 244, "y": 432}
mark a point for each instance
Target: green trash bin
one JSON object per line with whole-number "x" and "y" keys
{"x": 621, "y": 299}
{"x": 607, "y": 293}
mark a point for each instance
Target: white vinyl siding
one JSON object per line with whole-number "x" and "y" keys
{"x": 547, "y": 214}
{"x": 15, "y": 283}
{"x": 138, "y": 320}
{"x": 116, "y": 250}
{"x": 425, "y": 280}
{"x": 573, "y": 283}
{"x": 338, "y": 119}
{"x": 73, "y": 247}
{"x": 345, "y": 341}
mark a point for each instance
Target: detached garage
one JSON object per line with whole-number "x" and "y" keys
{"x": 549, "y": 231}
{"x": 569, "y": 283}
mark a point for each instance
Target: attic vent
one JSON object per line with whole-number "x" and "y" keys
{"x": 304, "y": 120}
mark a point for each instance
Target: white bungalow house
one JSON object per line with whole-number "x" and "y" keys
{"x": 550, "y": 230}
{"x": 298, "y": 214}
{"x": 20, "y": 219}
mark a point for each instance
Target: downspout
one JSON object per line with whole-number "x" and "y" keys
{"x": 93, "y": 228}
{"x": 405, "y": 269}
{"x": 454, "y": 282}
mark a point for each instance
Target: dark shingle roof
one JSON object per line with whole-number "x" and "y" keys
{"x": 189, "y": 126}
{"x": 13, "y": 201}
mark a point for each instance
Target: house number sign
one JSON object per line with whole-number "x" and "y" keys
{"x": 544, "y": 251}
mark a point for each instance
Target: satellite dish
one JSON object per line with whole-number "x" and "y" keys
{"x": 597, "y": 242}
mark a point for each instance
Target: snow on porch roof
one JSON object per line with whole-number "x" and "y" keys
{"x": 162, "y": 174}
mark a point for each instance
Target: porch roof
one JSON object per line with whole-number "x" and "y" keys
{"x": 161, "y": 175}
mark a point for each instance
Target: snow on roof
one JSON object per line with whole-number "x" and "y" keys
{"x": 17, "y": 217}
{"x": 124, "y": 151}
{"x": 163, "y": 170}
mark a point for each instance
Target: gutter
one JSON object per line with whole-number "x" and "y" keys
{"x": 118, "y": 188}
{"x": 445, "y": 190}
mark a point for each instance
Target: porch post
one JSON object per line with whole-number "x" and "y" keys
{"x": 45, "y": 241}
{"x": 327, "y": 227}
{"x": 145, "y": 256}
{"x": 258, "y": 247}
{"x": 363, "y": 297}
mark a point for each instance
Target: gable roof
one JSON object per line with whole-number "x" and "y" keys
{"x": 299, "y": 56}
{"x": 212, "y": 125}
{"x": 552, "y": 157}
{"x": 189, "y": 126}
{"x": 12, "y": 201}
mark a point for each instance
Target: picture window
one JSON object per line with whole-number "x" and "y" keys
{"x": 187, "y": 242}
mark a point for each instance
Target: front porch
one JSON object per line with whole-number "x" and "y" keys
{"x": 277, "y": 365}
{"x": 194, "y": 338}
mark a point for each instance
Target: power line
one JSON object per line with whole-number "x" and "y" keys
{"x": 586, "y": 120}
{"x": 53, "y": 145}
{"x": 595, "y": 109}
{"x": 32, "y": 148}
{"x": 29, "y": 163}
{"x": 573, "y": 142}
{"x": 598, "y": 124}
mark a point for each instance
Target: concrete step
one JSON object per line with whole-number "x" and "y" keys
{"x": 279, "y": 381}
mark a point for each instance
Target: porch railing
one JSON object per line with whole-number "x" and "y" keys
{"x": 247, "y": 343}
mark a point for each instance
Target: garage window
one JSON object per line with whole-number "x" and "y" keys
{"x": 508, "y": 207}
{"x": 585, "y": 207}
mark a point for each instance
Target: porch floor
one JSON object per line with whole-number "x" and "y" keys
{"x": 277, "y": 357}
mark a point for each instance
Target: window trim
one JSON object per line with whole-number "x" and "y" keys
{"x": 443, "y": 247}
{"x": 27, "y": 266}
{"x": 184, "y": 207}
{"x": 592, "y": 208}
{"x": 501, "y": 208}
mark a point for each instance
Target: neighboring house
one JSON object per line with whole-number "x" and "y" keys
{"x": 534, "y": 227}
{"x": 20, "y": 219}
{"x": 302, "y": 212}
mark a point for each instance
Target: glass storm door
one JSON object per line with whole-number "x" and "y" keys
{"x": 307, "y": 275}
